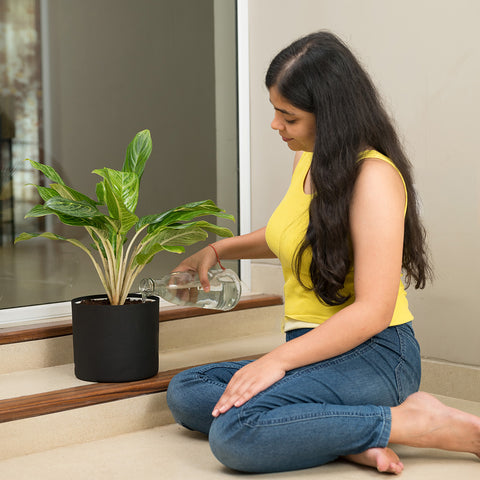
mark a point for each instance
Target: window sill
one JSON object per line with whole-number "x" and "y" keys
{"x": 63, "y": 326}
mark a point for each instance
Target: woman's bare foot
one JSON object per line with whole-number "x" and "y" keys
{"x": 423, "y": 421}
{"x": 385, "y": 460}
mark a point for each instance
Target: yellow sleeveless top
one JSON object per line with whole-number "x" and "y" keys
{"x": 285, "y": 232}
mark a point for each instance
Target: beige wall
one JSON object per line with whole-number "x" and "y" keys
{"x": 425, "y": 59}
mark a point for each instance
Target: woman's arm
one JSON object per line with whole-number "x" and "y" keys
{"x": 376, "y": 225}
{"x": 250, "y": 245}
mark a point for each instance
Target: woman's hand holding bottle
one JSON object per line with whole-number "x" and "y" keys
{"x": 200, "y": 262}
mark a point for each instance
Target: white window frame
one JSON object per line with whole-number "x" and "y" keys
{"x": 243, "y": 73}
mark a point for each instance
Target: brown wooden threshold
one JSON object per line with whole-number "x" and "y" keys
{"x": 76, "y": 397}
{"x": 42, "y": 331}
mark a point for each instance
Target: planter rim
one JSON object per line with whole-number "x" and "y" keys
{"x": 98, "y": 296}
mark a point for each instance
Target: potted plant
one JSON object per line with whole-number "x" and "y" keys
{"x": 115, "y": 335}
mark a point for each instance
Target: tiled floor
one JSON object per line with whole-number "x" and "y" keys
{"x": 178, "y": 454}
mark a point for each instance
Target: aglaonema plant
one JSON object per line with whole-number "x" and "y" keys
{"x": 117, "y": 258}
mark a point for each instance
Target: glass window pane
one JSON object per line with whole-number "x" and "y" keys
{"x": 152, "y": 64}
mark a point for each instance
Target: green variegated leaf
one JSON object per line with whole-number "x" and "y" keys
{"x": 95, "y": 222}
{"x": 100, "y": 191}
{"x": 48, "y": 171}
{"x": 200, "y": 203}
{"x": 28, "y": 236}
{"x": 124, "y": 187}
{"x": 42, "y": 210}
{"x": 180, "y": 235}
{"x": 73, "y": 208}
{"x": 221, "y": 231}
{"x": 148, "y": 220}
{"x": 147, "y": 254}
{"x": 68, "y": 192}
{"x": 45, "y": 192}
{"x": 201, "y": 224}
{"x": 183, "y": 213}
{"x": 111, "y": 201}
{"x": 173, "y": 249}
{"x": 115, "y": 189}
{"x": 137, "y": 154}
{"x": 39, "y": 211}
{"x": 51, "y": 236}
{"x": 179, "y": 216}
{"x": 126, "y": 221}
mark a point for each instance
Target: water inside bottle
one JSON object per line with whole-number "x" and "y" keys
{"x": 222, "y": 295}
{"x": 184, "y": 289}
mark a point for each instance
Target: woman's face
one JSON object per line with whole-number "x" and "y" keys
{"x": 295, "y": 126}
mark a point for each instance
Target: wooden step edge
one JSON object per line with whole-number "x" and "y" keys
{"x": 42, "y": 331}
{"x": 28, "y": 406}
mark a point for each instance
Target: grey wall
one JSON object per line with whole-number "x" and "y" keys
{"x": 119, "y": 66}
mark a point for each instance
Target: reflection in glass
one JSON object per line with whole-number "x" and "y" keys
{"x": 20, "y": 112}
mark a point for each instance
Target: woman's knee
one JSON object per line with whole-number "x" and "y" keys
{"x": 191, "y": 398}
{"x": 240, "y": 446}
{"x": 230, "y": 444}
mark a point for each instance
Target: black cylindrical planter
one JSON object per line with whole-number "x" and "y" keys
{"x": 115, "y": 343}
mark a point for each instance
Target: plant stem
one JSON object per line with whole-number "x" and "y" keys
{"x": 130, "y": 277}
{"x": 119, "y": 271}
{"x": 130, "y": 245}
{"x": 106, "y": 283}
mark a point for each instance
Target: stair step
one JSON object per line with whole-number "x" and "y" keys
{"x": 82, "y": 411}
{"x": 95, "y": 422}
{"x": 44, "y": 406}
{"x": 173, "y": 452}
{"x": 86, "y": 395}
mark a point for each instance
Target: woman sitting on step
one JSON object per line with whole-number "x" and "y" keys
{"x": 345, "y": 382}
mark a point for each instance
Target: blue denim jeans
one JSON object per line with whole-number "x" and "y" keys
{"x": 312, "y": 416}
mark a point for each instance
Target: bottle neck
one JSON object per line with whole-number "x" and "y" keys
{"x": 147, "y": 286}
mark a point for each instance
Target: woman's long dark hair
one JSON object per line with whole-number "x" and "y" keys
{"x": 319, "y": 74}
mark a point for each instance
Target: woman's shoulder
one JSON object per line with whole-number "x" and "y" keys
{"x": 375, "y": 164}
{"x": 376, "y": 176}
{"x": 372, "y": 154}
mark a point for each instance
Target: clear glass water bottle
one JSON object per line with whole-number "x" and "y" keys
{"x": 184, "y": 288}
